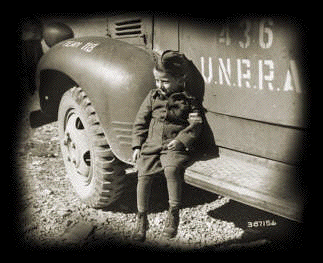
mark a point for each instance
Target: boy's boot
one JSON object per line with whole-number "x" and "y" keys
{"x": 172, "y": 222}
{"x": 142, "y": 226}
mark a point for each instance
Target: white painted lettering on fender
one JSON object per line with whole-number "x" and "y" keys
{"x": 87, "y": 47}
{"x": 72, "y": 43}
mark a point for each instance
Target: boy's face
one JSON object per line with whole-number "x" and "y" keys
{"x": 166, "y": 83}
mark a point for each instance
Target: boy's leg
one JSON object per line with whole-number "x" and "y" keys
{"x": 174, "y": 164}
{"x": 143, "y": 192}
{"x": 174, "y": 177}
{"x": 143, "y": 195}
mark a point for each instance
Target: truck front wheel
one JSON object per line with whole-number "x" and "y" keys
{"x": 96, "y": 174}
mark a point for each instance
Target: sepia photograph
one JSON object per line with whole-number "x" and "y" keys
{"x": 161, "y": 132}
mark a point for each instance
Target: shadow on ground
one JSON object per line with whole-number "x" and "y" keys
{"x": 271, "y": 232}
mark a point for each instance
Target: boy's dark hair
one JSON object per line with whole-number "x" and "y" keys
{"x": 171, "y": 62}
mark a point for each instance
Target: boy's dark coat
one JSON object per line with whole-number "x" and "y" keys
{"x": 159, "y": 121}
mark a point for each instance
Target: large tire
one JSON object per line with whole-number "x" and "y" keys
{"x": 97, "y": 176}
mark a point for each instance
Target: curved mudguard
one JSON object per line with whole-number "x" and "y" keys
{"x": 115, "y": 75}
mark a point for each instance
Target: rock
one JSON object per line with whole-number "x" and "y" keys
{"x": 46, "y": 192}
{"x": 78, "y": 233}
{"x": 64, "y": 212}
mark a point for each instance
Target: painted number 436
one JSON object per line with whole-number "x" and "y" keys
{"x": 265, "y": 35}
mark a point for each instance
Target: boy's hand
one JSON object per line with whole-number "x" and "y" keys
{"x": 135, "y": 155}
{"x": 175, "y": 145}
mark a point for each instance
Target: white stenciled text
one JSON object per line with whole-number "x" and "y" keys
{"x": 247, "y": 73}
{"x": 87, "y": 47}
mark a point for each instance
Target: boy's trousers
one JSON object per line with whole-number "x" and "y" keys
{"x": 174, "y": 178}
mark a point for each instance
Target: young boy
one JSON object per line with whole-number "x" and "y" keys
{"x": 166, "y": 127}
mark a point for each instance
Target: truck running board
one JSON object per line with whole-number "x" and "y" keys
{"x": 261, "y": 183}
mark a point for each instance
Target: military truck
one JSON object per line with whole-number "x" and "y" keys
{"x": 249, "y": 74}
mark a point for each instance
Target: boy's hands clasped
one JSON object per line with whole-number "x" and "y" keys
{"x": 174, "y": 145}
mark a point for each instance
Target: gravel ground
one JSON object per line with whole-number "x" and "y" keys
{"x": 52, "y": 216}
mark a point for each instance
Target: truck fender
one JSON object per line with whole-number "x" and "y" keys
{"x": 115, "y": 75}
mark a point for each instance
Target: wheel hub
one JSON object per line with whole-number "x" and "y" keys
{"x": 76, "y": 146}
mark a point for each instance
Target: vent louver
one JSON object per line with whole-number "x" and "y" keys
{"x": 135, "y": 30}
{"x": 128, "y": 28}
